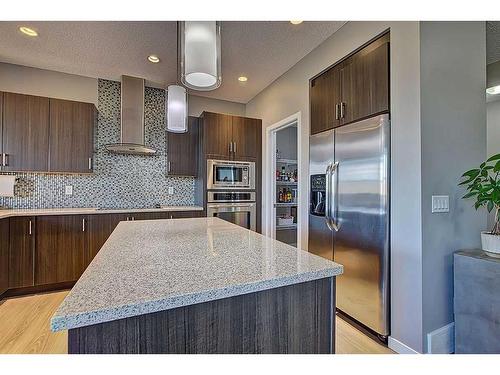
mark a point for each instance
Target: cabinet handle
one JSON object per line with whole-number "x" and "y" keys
{"x": 171, "y": 216}
{"x": 132, "y": 218}
{"x": 337, "y": 117}
{"x": 168, "y": 167}
{"x": 5, "y": 160}
{"x": 342, "y": 110}
{"x": 234, "y": 147}
{"x": 83, "y": 225}
{"x": 230, "y": 147}
{"x": 90, "y": 164}
{"x": 30, "y": 229}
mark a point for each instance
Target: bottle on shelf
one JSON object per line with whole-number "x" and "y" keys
{"x": 280, "y": 197}
{"x": 289, "y": 196}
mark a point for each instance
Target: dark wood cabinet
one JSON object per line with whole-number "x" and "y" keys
{"x": 100, "y": 227}
{"x": 182, "y": 151}
{"x": 71, "y": 136}
{"x": 217, "y": 135}
{"x": 185, "y": 214}
{"x": 4, "y": 255}
{"x": 325, "y": 101}
{"x": 231, "y": 137}
{"x": 61, "y": 248}
{"x": 247, "y": 138}
{"x": 353, "y": 89}
{"x": 21, "y": 251}
{"x": 367, "y": 83}
{"x": 25, "y": 132}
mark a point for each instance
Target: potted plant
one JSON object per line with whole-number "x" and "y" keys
{"x": 483, "y": 184}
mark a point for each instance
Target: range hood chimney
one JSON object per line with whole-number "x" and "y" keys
{"x": 132, "y": 133}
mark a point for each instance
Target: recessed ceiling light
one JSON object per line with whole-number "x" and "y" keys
{"x": 495, "y": 90}
{"x": 154, "y": 59}
{"x": 242, "y": 79}
{"x": 296, "y": 22}
{"x": 28, "y": 31}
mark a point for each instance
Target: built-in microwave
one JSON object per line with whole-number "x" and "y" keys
{"x": 229, "y": 174}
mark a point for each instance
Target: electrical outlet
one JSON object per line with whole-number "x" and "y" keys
{"x": 68, "y": 190}
{"x": 440, "y": 203}
{"x": 170, "y": 190}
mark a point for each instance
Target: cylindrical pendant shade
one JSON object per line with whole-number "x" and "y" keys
{"x": 176, "y": 109}
{"x": 200, "y": 61}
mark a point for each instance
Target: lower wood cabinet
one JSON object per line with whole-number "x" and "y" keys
{"x": 21, "y": 251}
{"x": 100, "y": 227}
{"x": 57, "y": 249}
{"x": 61, "y": 248}
{"x": 4, "y": 255}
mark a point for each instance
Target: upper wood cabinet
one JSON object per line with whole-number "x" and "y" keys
{"x": 25, "y": 133}
{"x": 217, "y": 134}
{"x": 353, "y": 89}
{"x": 61, "y": 248}
{"x": 4, "y": 255}
{"x": 247, "y": 138}
{"x": 21, "y": 251}
{"x": 231, "y": 137}
{"x": 71, "y": 139}
{"x": 325, "y": 99}
{"x": 182, "y": 151}
{"x": 39, "y": 134}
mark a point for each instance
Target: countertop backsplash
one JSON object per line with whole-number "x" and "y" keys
{"x": 118, "y": 181}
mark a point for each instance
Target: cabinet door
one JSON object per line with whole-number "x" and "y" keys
{"x": 21, "y": 249}
{"x": 247, "y": 137}
{"x": 25, "y": 132}
{"x": 186, "y": 214}
{"x": 324, "y": 101}
{"x": 217, "y": 134}
{"x": 100, "y": 227}
{"x": 365, "y": 82}
{"x": 182, "y": 151}
{"x": 4, "y": 255}
{"x": 71, "y": 136}
{"x": 61, "y": 248}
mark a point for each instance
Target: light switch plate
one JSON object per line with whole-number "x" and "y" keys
{"x": 170, "y": 190}
{"x": 440, "y": 203}
{"x": 68, "y": 190}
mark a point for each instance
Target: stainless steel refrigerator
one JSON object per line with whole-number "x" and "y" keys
{"x": 349, "y": 215}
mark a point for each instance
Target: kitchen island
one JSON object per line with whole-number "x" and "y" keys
{"x": 200, "y": 285}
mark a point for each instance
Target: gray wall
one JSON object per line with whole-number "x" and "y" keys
{"x": 290, "y": 94}
{"x": 493, "y": 136}
{"x": 453, "y": 110}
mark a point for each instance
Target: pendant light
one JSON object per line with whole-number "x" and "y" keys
{"x": 200, "y": 54}
{"x": 176, "y": 106}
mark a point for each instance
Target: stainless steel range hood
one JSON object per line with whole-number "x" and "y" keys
{"x": 132, "y": 134}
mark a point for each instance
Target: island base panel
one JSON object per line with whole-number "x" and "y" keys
{"x": 298, "y": 318}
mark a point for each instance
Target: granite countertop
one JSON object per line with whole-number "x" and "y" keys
{"x": 150, "y": 266}
{"x": 4, "y": 213}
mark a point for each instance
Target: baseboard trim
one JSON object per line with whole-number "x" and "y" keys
{"x": 442, "y": 340}
{"x": 399, "y": 347}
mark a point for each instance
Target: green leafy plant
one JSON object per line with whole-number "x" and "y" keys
{"x": 483, "y": 184}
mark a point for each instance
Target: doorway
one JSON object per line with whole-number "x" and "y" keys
{"x": 283, "y": 175}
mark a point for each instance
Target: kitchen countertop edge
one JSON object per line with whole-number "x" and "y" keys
{"x": 6, "y": 213}
{"x": 59, "y": 323}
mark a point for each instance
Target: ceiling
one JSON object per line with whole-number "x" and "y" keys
{"x": 492, "y": 41}
{"x": 262, "y": 51}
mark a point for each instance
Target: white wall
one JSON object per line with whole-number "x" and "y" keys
{"x": 198, "y": 104}
{"x": 290, "y": 94}
{"x": 40, "y": 82}
{"x": 493, "y": 136}
{"x": 453, "y": 112}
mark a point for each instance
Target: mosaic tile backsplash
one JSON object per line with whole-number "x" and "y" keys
{"x": 118, "y": 181}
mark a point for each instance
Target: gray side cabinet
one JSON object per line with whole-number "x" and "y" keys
{"x": 476, "y": 302}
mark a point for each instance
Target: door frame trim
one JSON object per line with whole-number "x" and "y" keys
{"x": 269, "y": 184}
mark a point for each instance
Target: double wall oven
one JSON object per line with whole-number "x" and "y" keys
{"x": 231, "y": 192}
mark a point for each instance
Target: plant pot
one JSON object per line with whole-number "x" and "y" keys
{"x": 491, "y": 244}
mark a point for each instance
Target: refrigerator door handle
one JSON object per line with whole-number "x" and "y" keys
{"x": 328, "y": 182}
{"x": 334, "y": 202}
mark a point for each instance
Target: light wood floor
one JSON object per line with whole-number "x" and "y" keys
{"x": 24, "y": 328}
